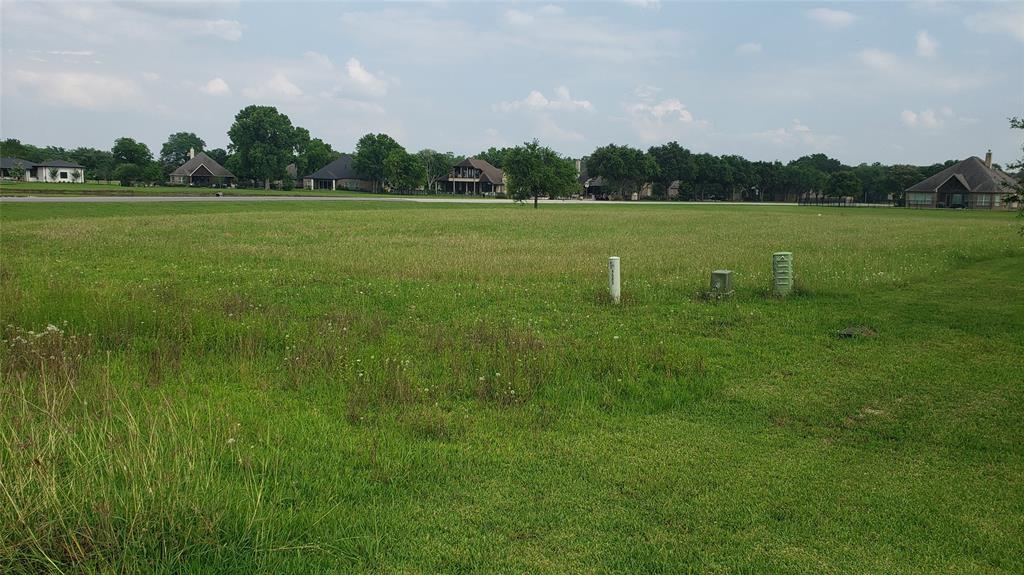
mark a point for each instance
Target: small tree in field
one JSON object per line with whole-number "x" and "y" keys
{"x": 17, "y": 171}
{"x": 534, "y": 171}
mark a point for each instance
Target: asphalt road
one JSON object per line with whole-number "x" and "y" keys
{"x": 228, "y": 199}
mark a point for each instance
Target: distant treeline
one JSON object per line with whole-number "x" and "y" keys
{"x": 264, "y": 142}
{"x": 693, "y": 176}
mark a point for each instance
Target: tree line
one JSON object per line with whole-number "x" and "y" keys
{"x": 263, "y": 142}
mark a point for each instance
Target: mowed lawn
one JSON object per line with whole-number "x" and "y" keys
{"x": 398, "y": 388}
{"x": 16, "y": 188}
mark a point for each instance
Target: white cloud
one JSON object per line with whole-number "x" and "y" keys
{"x": 664, "y": 110}
{"x": 879, "y": 60}
{"x": 216, "y": 87}
{"x": 364, "y": 80}
{"x": 71, "y": 52}
{"x": 230, "y": 30}
{"x": 536, "y": 101}
{"x": 518, "y": 18}
{"x": 926, "y": 45}
{"x": 278, "y": 87}
{"x": 646, "y": 92}
{"x": 548, "y": 129}
{"x": 552, "y": 10}
{"x": 831, "y": 18}
{"x": 661, "y": 120}
{"x": 1007, "y": 19}
{"x": 797, "y": 134}
{"x": 930, "y": 119}
{"x": 925, "y": 118}
{"x": 583, "y": 37}
{"x": 151, "y": 76}
{"x": 78, "y": 90}
{"x": 749, "y": 48}
{"x": 655, "y": 4}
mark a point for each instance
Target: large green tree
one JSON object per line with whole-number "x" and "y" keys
{"x": 99, "y": 164}
{"x": 371, "y": 152}
{"x": 263, "y": 141}
{"x": 129, "y": 151}
{"x": 819, "y": 162}
{"x": 311, "y": 154}
{"x": 675, "y": 163}
{"x": 219, "y": 155}
{"x": 436, "y": 164}
{"x": 804, "y": 179}
{"x": 134, "y": 163}
{"x": 403, "y": 171}
{"x": 901, "y": 177}
{"x": 534, "y": 171}
{"x": 496, "y": 157}
{"x": 874, "y": 180}
{"x": 843, "y": 184}
{"x": 14, "y": 148}
{"x": 624, "y": 169}
{"x": 175, "y": 150}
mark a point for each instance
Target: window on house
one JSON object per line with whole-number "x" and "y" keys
{"x": 63, "y": 175}
{"x": 919, "y": 198}
{"x": 983, "y": 201}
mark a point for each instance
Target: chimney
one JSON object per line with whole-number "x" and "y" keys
{"x": 192, "y": 154}
{"x": 988, "y": 159}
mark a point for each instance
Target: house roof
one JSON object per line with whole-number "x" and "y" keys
{"x": 975, "y": 176}
{"x": 201, "y": 159}
{"x": 59, "y": 164}
{"x": 340, "y": 169}
{"x": 488, "y": 173}
{"x": 8, "y": 163}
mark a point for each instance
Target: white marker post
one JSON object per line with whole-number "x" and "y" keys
{"x": 614, "y": 284}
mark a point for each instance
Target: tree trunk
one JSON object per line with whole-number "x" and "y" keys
{"x": 266, "y": 183}
{"x": 535, "y": 201}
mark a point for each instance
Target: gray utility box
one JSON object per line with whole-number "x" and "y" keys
{"x": 721, "y": 282}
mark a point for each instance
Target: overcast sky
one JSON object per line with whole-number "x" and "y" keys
{"x": 890, "y": 82}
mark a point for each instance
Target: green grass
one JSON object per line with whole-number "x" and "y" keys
{"x": 399, "y": 388}
{"x": 13, "y": 188}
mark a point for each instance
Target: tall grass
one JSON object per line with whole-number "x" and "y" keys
{"x": 375, "y": 387}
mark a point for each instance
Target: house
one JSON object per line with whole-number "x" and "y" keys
{"x": 473, "y": 177}
{"x": 59, "y": 171}
{"x": 598, "y": 189}
{"x": 49, "y": 171}
{"x": 201, "y": 170}
{"x": 11, "y": 167}
{"x": 972, "y": 183}
{"x": 338, "y": 175}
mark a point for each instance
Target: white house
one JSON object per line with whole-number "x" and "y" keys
{"x": 59, "y": 171}
{"x": 48, "y": 171}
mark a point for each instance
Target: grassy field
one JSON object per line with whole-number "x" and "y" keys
{"x": 13, "y": 188}
{"x": 398, "y": 388}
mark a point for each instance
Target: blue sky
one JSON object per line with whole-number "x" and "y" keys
{"x": 891, "y": 82}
